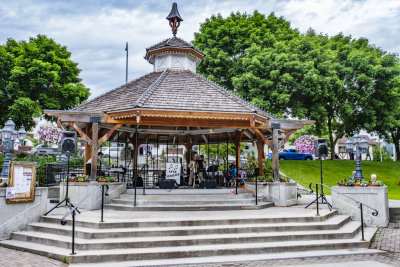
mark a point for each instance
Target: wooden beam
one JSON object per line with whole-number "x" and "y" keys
{"x": 275, "y": 158}
{"x": 88, "y": 150}
{"x": 81, "y": 133}
{"x": 288, "y": 134}
{"x": 260, "y": 145}
{"x": 230, "y": 138}
{"x": 108, "y": 134}
{"x": 263, "y": 138}
{"x": 95, "y": 136}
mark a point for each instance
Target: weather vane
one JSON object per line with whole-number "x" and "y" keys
{"x": 174, "y": 19}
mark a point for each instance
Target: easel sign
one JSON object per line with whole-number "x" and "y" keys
{"x": 22, "y": 182}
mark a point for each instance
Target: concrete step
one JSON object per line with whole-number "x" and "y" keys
{"x": 346, "y": 232}
{"x": 198, "y": 220}
{"x": 185, "y": 197}
{"x": 82, "y": 231}
{"x": 210, "y": 207}
{"x": 186, "y": 191}
{"x": 130, "y": 254}
{"x": 237, "y": 260}
{"x": 162, "y": 202}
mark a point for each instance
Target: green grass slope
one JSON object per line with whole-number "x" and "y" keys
{"x": 306, "y": 172}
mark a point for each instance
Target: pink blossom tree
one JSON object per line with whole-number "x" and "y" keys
{"x": 50, "y": 135}
{"x": 305, "y": 144}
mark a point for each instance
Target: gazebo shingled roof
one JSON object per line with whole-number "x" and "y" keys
{"x": 171, "y": 90}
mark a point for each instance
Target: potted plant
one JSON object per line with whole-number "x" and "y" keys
{"x": 3, "y": 183}
{"x": 72, "y": 179}
{"x": 375, "y": 183}
{"x": 111, "y": 179}
{"x": 82, "y": 178}
{"x": 357, "y": 183}
{"x": 101, "y": 179}
{"x": 283, "y": 179}
{"x": 342, "y": 182}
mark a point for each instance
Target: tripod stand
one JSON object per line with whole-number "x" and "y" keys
{"x": 66, "y": 198}
{"x": 322, "y": 195}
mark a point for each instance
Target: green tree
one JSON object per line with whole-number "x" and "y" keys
{"x": 35, "y": 75}
{"x": 339, "y": 82}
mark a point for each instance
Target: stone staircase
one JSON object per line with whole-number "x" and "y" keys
{"x": 132, "y": 237}
{"x": 175, "y": 200}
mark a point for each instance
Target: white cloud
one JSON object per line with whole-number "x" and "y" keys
{"x": 96, "y": 31}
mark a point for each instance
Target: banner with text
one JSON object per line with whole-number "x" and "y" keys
{"x": 173, "y": 172}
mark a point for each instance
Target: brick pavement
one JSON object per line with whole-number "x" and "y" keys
{"x": 15, "y": 258}
{"x": 387, "y": 239}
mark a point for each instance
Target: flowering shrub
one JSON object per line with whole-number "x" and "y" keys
{"x": 50, "y": 135}
{"x": 305, "y": 144}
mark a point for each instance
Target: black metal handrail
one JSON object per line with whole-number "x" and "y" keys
{"x": 360, "y": 204}
{"x": 74, "y": 209}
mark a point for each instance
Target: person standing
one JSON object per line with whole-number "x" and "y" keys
{"x": 193, "y": 168}
{"x": 201, "y": 168}
{"x": 100, "y": 162}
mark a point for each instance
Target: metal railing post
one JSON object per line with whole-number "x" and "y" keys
{"x": 256, "y": 191}
{"x": 73, "y": 232}
{"x": 236, "y": 184}
{"x": 316, "y": 190}
{"x": 102, "y": 203}
{"x": 362, "y": 222}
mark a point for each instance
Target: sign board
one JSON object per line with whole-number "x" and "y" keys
{"x": 173, "y": 171}
{"x": 22, "y": 180}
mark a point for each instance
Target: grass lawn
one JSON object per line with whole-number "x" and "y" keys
{"x": 306, "y": 172}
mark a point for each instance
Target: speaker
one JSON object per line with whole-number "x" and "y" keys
{"x": 208, "y": 183}
{"x": 167, "y": 183}
{"x": 321, "y": 147}
{"x": 68, "y": 142}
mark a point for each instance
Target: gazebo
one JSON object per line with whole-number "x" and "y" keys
{"x": 177, "y": 103}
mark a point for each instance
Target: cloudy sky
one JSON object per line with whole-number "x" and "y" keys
{"x": 95, "y": 31}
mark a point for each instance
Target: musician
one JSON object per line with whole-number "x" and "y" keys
{"x": 201, "y": 167}
{"x": 193, "y": 168}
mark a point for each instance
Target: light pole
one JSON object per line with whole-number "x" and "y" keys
{"x": 8, "y": 136}
{"x": 361, "y": 147}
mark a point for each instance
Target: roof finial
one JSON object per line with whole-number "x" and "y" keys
{"x": 174, "y": 19}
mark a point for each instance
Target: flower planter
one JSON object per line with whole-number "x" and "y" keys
{"x": 375, "y": 197}
{"x": 282, "y": 194}
{"x": 342, "y": 185}
{"x": 102, "y": 181}
{"x": 3, "y": 186}
{"x": 77, "y": 191}
{"x": 373, "y": 185}
{"x": 357, "y": 185}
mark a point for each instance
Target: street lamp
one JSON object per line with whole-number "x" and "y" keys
{"x": 361, "y": 147}
{"x": 9, "y": 135}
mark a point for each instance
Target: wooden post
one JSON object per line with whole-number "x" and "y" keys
{"x": 237, "y": 147}
{"x": 275, "y": 159}
{"x": 95, "y": 138}
{"x": 260, "y": 145}
{"x": 88, "y": 149}
{"x": 135, "y": 153}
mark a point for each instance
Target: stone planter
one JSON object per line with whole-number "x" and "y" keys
{"x": 375, "y": 197}
{"x": 77, "y": 191}
{"x": 281, "y": 194}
